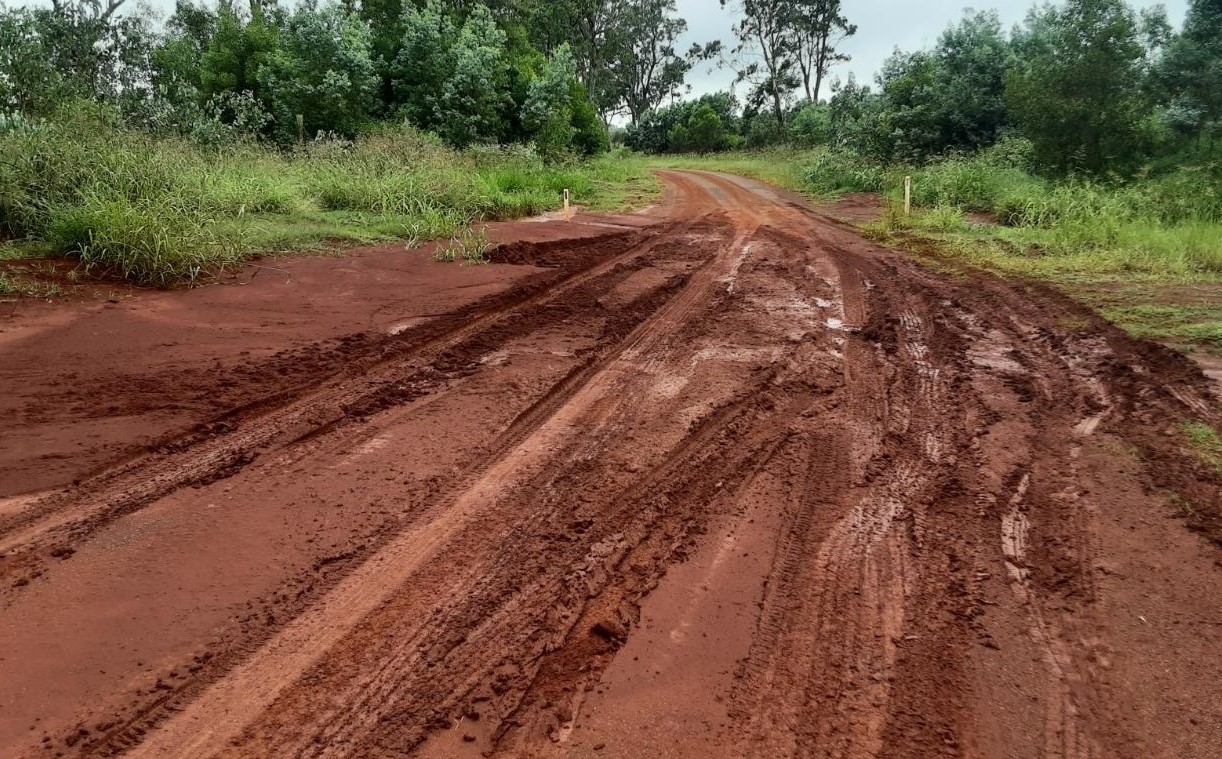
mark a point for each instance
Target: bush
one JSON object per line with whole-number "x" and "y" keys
{"x": 149, "y": 241}
{"x": 837, "y": 172}
{"x": 970, "y": 184}
{"x": 168, "y": 210}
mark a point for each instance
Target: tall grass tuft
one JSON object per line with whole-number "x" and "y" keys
{"x": 162, "y": 210}
{"x": 1168, "y": 224}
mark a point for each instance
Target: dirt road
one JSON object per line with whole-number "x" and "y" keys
{"x": 723, "y": 480}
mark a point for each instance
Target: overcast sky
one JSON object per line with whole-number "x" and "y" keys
{"x": 882, "y": 26}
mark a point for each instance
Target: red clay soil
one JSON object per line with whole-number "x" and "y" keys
{"x": 725, "y": 480}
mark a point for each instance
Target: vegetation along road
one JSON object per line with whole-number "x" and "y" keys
{"x": 720, "y": 479}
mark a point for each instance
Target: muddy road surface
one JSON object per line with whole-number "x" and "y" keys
{"x": 720, "y": 480}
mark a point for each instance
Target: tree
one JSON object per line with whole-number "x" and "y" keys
{"x": 238, "y": 48}
{"x": 765, "y": 35}
{"x": 973, "y": 58}
{"x": 811, "y": 125}
{"x": 423, "y": 63}
{"x": 647, "y": 68}
{"x": 952, "y": 97}
{"x": 857, "y": 119}
{"x": 322, "y": 70}
{"x": 594, "y": 46}
{"x": 818, "y": 30}
{"x": 667, "y": 129}
{"x": 73, "y": 50}
{"x": 1191, "y": 72}
{"x": 705, "y": 130}
{"x": 1076, "y": 93}
{"x": 548, "y": 110}
{"x": 175, "y": 61}
{"x": 450, "y": 78}
{"x": 474, "y": 94}
{"x": 30, "y": 83}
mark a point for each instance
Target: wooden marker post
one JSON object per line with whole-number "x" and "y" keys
{"x": 908, "y": 196}
{"x": 567, "y": 215}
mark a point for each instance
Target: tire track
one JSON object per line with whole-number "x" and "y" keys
{"x": 214, "y": 718}
{"x": 925, "y": 444}
{"x": 51, "y": 524}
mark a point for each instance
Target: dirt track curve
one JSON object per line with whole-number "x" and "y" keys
{"x": 726, "y": 480}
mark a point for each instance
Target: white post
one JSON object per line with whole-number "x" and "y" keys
{"x": 566, "y": 204}
{"x": 907, "y": 196}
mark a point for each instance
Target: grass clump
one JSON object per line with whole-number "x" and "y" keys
{"x": 1205, "y": 442}
{"x": 163, "y": 211}
{"x": 469, "y": 244}
{"x": 153, "y": 241}
{"x": 783, "y": 167}
{"x": 833, "y": 173}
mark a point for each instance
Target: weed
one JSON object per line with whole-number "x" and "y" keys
{"x": 1205, "y": 443}
{"x": 1183, "y": 506}
{"x": 30, "y": 288}
{"x": 1122, "y": 449}
{"x": 165, "y": 211}
{"x": 940, "y": 219}
{"x": 470, "y": 244}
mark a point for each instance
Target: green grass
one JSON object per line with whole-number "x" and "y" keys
{"x": 165, "y": 211}
{"x": 1170, "y": 323}
{"x": 1205, "y": 443}
{"x": 780, "y": 166}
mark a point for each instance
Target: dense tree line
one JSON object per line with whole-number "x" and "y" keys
{"x": 1091, "y": 86}
{"x": 497, "y": 71}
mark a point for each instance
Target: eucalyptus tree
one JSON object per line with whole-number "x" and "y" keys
{"x": 819, "y": 28}
{"x": 1191, "y": 73}
{"x": 786, "y": 45}
{"x": 767, "y": 51}
{"x": 647, "y": 68}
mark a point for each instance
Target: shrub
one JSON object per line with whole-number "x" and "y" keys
{"x": 836, "y": 172}
{"x": 163, "y": 210}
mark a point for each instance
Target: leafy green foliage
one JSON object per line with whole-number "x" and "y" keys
{"x": 321, "y": 70}
{"x": 667, "y": 130}
{"x": 1077, "y": 92}
{"x": 164, "y": 210}
{"x": 951, "y": 97}
{"x": 452, "y": 78}
{"x": 1190, "y": 74}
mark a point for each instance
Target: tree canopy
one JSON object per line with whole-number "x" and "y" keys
{"x": 1090, "y": 86}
